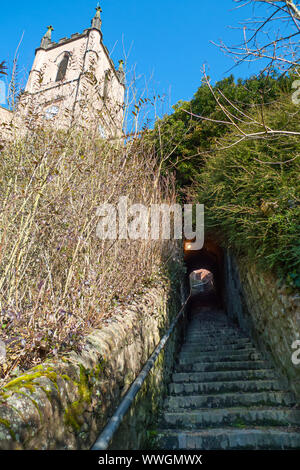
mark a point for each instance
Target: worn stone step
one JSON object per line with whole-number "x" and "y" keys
{"x": 210, "y": 321}
{"x": 218, "y": 337}
{"x": 210, "y": 325}
{"x": 219, "y": 356}
{"x": 236, "y": 417}
{"x": 197, "y": 323}
{"x": 216, "y": 347}
{"x": 193, "y": 388}
{"x": 220, "y": 376}
{"x": 213, "y": 339}
{"x": 224, "y": 395}
{"x": 252, "y": 438}
{"x": 193, "y": 343}
{"x": 228, "y": 400}
{"x": 213, "y": 330}
{"x": 219, "y": 366}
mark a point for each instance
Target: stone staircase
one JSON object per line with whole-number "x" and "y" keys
{"x": 224, "y": 395}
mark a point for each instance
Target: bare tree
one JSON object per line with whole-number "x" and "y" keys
{"x": 273, "y": 39}
{"x": 246, "y": 125}
{"x": 270, "y": 36}
{"x": 14, "y": 85}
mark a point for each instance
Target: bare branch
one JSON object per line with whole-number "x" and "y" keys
{"x": 278, "y": 50}
{"x": 244, "y": 130}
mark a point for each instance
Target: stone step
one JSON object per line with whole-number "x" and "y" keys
{"x": 220, "y": 376}
{"x": 254, "y": 438}
{"x": 236, "y": 417}
{"x": 221, "y": 347}
{"x": 228, "y": 400}
{"x": 212, "y": 342}
{"x": 210, "y": 325}
{"x": 212, "y": 321}
{"x": 216, "y": 356}
{"x": 224, "y": 395}
{"x": 200, "y": 327}
{"x": 213, "y": 331}
{"x": 193, "y": 388}
{"x": 188, "y": 346}
{"x": 219, "y": 366}
{"x": 214, "y": 339}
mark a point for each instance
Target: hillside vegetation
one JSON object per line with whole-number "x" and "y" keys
{"x": 252, "y": 199}
{"x": 57, "y": 279}
{"x": 251, "y": 190}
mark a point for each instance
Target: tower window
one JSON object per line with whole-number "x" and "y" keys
{"x": 62, "y": 68}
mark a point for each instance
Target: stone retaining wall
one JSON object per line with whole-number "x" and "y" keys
{"x": 64, "y": 404}
{"x": 258, "y": 303}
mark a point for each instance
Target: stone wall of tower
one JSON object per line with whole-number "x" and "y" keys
{"x": 101, "y": 95}
{"x": 43, "y": 93}
{"x": 6, "y": 118}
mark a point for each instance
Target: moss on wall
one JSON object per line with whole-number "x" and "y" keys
{"x": 64, "y": 404}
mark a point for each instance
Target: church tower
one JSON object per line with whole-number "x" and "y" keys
{"x": 75, "y": 80}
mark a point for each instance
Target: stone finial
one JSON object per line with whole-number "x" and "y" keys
{"x": 96, "y": 21}
{"x": 46, "y": 39}
{"x": 120, "y": 72}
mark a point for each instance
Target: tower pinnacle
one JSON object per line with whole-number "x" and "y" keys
{"x": 120, "y": 72}
{"x": 96, "y": 21}
{"x": 46, "y": 39}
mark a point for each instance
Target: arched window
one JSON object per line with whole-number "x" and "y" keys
{"x": 62, "y": 68}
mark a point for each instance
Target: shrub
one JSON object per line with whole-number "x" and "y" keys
{"x": 251, "y": 194}
{"x": 57, "y": 279}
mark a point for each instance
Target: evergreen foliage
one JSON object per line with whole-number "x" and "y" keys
{"x": 250, "y": 190}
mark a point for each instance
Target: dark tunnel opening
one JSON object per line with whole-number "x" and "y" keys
{"x": 205, "y": 276}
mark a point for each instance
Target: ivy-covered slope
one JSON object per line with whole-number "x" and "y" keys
{"x": 251, "y": 199}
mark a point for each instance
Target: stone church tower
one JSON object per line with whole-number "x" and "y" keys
{"x": 75, "y": 80}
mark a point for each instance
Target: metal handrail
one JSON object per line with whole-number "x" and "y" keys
{"x": 113, "y": 424}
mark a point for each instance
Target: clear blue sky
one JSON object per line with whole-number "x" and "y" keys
{"x": 170, "y": 39}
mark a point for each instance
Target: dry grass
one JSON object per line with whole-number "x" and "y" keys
{"x": 57, "y": 279}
